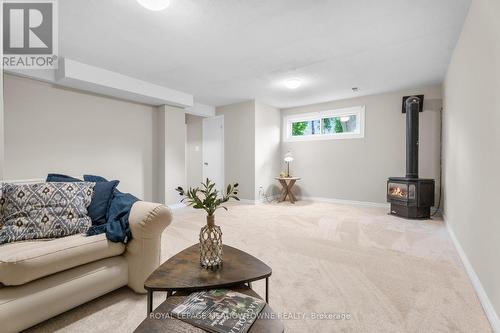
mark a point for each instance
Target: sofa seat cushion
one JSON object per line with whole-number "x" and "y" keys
{"x": 23, "y": 262}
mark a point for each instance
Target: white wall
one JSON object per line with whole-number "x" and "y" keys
{"x": 472, "y": 145}
{"x": 194, "y": 150}
{"x": 2, "y": 137}
{"x": 357, "y": 169}
{"x": 267, "y": 149}
{"x": 239, "y": 146}
{"x": 49, "y": 129}
{"x": 160, "y": 150}
{"x": 175, "y": 152}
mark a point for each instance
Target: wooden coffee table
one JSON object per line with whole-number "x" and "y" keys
{"x": 183, "y": 273}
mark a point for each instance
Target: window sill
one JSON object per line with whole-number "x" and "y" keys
{"x": 324, "y": 137}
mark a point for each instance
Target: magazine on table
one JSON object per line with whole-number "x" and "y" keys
{"x": 220, "y": 311}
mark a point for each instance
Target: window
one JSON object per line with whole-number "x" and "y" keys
{"x": 346, "y": 123}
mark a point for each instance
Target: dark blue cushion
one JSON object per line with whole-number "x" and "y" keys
{"x": 58, "y": 178}
{"x": 94, "y": 179}
{"x": 117, "y": 228}
{"x": 103, "y": 193}
{"x": 106, "y": 188}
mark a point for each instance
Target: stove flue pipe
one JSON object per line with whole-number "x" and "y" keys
{"x": 412, "y": 116}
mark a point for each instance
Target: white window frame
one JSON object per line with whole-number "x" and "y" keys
{"x": 358, "y": 111}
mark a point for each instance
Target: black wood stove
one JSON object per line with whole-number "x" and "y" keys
{"x": 410, "y": 196}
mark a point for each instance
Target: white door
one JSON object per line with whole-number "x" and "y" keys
{"x": 213, "y": 150}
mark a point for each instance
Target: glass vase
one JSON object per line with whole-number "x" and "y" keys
{"x": 211, "y": 244}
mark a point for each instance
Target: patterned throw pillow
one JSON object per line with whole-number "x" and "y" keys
{"x": 45, "y": 210}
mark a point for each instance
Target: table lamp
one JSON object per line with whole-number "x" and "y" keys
{"x": 288, "y": 158}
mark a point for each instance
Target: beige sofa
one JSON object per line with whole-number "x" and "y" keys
{"x": 41, "y": 279}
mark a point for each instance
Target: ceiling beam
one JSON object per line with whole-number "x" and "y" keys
{"x": 90, "y": 78}
{"x": 85, "y": 77}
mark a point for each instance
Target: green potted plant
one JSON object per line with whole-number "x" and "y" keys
{"x": 209, "y": 199}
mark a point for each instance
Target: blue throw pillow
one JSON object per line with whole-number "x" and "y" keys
{"x": 58, "y": 178}
{"x": 94, "y": 179}
{"x": 103, "y": 193}
{"x": 103, "y": 182}
{"x": 117, "y": 229}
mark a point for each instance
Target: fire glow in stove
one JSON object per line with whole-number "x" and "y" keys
{"x": 410, "y": 196}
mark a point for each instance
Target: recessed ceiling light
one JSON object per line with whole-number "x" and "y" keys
{"x": 293, "y": 83}
{"x": 155, "y": 5}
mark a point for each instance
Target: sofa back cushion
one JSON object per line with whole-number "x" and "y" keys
{"x": 45, "y": 210}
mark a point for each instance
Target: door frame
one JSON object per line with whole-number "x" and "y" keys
{"x": 223, "y": 150}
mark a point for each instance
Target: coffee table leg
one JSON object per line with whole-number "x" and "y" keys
{"x": 150, "y": 301}
{"x": 250, "y": 285}
{"x": 267, "y": 290}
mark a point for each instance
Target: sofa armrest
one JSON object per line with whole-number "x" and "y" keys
{"x": 147, "y": 221}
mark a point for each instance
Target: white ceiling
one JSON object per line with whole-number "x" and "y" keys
{"x": 226, "y": 51}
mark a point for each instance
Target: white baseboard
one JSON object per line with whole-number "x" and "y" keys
{"x": 249, "y": 201}
{"x": 347, "y": 202}
{"x": 320, "y": 199}
{"x": 258, "y": 201}
{"x": 246, "y": 201}
{"x": 481, "y": 293}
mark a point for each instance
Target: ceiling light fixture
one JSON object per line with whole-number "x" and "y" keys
{"x": 155, "y": 5}
{"x": 293, "y": 83}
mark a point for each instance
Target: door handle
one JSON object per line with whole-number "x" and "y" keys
{"x": 205, "y": 163}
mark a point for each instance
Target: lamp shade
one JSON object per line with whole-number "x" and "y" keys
{"x": 288, "y": 157}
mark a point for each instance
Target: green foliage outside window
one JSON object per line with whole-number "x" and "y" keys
{"x": 338, "y": 126}
{"x": 327, "y": 125}
{"x": 330, "y": 125}
{"x": 299, "y": 128}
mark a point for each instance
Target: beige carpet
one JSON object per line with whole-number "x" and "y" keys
{"x": 388, "y": 274}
